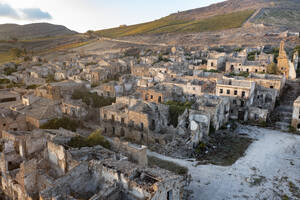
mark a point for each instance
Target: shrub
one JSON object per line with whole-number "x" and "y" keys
{"x": 93, "y": 139}
{"x": 8, "y": 71}
{"x": 176, "y": 109}
{"x": 32, "y": 87}
{"x": 64, "y": 122}
{"x": 92, "y": 99}
{"x": 4, "y": 81}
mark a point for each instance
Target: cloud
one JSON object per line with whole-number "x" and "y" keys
{"x": 7, "y": 11}
{"x": 35, "y": 14}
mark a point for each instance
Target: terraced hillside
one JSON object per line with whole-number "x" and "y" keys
{"x": 282, "y": 14}
{"x": 173, "y": 24}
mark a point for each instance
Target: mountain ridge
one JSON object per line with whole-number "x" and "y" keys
{"x": 32, "y": 31}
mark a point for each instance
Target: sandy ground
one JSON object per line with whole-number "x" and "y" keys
{"x": 270, "y": 169}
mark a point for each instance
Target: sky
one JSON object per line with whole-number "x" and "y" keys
{"x": 83, "y": 15}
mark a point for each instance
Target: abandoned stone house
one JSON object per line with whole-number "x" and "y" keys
{"x": 40, "y": 112}
{"x": 217, "y": 107}
{"x": 9, "y": 98}
{"x": 11, "y": 120}
{"x": 141, "y": 70}
{"x": 153, "y": 95}
{"x": 74, "y": 108}
{"x": 296, "y": 114}
{"x": 195, "y": 124}
{"x": 111, "y": 89}
{"x": 136, "y": 120}
{"x": 216, "y": 61}
{"x": 49, "y": 92}
{"x": 241, "y": 95}
{"x": 56, "y": 91}
{"x": 271, "y": 81}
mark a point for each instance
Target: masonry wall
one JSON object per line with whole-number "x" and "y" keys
{"x": 57, "y": 157}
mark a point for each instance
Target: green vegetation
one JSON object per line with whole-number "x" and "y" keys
{"x": 64, "y": 122}
{"x": 8, "y": 71}
{"x": 176, "y": 109}
{"x": 251, "y": 55}
{"x": 170, "y": 166}
{"x": 90, "y": 63}
{"x": 13, "y": 85}
{"x": 32, "y": 87}
{"x": 172, "y": 24}
{"x": 92, "y": 99}
{"x": 161, "y": 59}
{"x": 4, "y": 81}
{"x": 94, "y": 139}
{"x": 244, "y": 74}
{"x": 212, "y": 70}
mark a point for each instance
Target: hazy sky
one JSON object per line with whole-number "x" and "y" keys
{"x": 83, "y": 15}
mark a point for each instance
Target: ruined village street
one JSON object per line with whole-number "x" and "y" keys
{"x": 270, "y": 169}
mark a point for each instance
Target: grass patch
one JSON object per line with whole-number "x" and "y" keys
{"x": 171, "y": 24}
{"x": 170, "y": 166}
{"x": 94, "y": 139}
{"x": 222, "y": 150}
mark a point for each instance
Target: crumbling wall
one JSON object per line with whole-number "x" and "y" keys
{"x": 27, "y": 176}
{"x": 57, "y": 157}
{"x": 136, "y": 153}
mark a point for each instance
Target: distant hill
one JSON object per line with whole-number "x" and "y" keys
{"x": 32, "y": 31}
{"x": 216, "y": 17}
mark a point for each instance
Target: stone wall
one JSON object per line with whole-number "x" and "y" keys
{"x": 135, "y": 153}
{"x": 57, "y": 157}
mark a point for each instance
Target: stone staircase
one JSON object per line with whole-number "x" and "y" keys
{"x": 281, "y": 117}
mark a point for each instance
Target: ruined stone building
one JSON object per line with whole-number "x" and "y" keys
{"x": 11, "y": 120}
{"x": 241, "y": 95}
{"x": 49, "y": 92}
{"x": 74, "y": 108}
{"x": 217, "y": 107}
{"x": 9, "y": 98}
{"x": 134, "y": 119}
{"x": 141, "y": 70}
{"x": 40, "y": 165}
{"x": 195, "y": 124}
{"x": 216, "y": 61}
{"x": 111, "y": 89}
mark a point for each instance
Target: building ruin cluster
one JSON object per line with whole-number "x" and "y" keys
{"x": 159, "y": 97}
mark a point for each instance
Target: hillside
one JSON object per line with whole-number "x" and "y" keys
{"x": 172, "y": 24}
{"x": 217, "y": 17}
{"x": 31, "y": 31}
